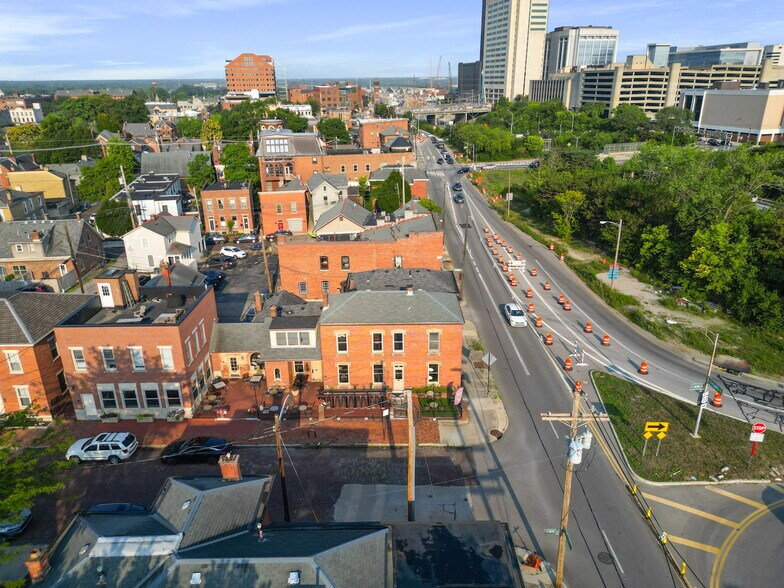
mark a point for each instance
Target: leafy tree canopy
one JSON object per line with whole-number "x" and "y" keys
{"x": 387, "y": 193}
{"x": 240, "y": 164}
{"x": 332, "y": 129}
{"x": 200, "y": 172}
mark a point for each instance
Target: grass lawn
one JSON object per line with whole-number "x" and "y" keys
{"x": 497, "y": 181}
{"x": 445, "y": 408}
{"x": 723, "y": 441}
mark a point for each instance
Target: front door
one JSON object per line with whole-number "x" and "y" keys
{"x": 398, "y": 376}
{"x": 280, "y": 225}
{"x": 105, "y": 293}
{"x": 88, "y": 401}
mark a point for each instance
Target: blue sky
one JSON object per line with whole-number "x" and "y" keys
{"x": 113, "y": 39}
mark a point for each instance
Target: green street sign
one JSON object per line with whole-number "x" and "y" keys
{"x": 551, "y": 531}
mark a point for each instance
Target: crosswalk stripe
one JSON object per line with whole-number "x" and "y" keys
{"x": 734, "y": 496}
{"x": 691, "y": 510}
{"x": 694, "y": 544}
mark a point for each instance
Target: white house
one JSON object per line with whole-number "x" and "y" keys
{"x": 325, "y": 191}
{"x": 175, "y": 239}
{"x": 154, "y": 194}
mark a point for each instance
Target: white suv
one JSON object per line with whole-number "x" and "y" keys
{"x": 232, "y": 251}
{"x": 113, "y": 447}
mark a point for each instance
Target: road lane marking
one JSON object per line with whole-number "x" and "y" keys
{"x": 691, "y": 510}
{"x": 777, "y": 488}
{"x": 734, "y": 496}
{"x": 694, "y": 544}
{"x": 599, "y": 438}
{"x": 612, "y": 552}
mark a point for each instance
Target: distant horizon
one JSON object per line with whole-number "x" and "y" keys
{"x": 48, "y": 41}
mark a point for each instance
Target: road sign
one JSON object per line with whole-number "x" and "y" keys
{"x": 759, "y": 428}
{"x": 516, "y": 264}
{"x": 489, "y": 359}
{"x": 696, "y": 387}
{"x": 551, "y": 532}
{"x": 657, "y": 426}
{"x": 704, "y": 399}
{"x": 509, "y": 196}
{"x": 757, "y": 437}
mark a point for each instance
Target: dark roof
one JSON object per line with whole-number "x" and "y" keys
{"x": 19, "y": 163}
{"x": 182, "y": 145}
{"x": 285, "y": 323}
{"x": 402, "y": 229}
{"x": 8, "y": 197}
{"x": 291, "y": 186}
{"x": 138, "y": 130}
{"x": 52, "y": 233}
{"x": 395, "y": 307}
{"x": 348, "y": 209}
{"x": 152, "y": 186}
{"x": 171, "y": 163}
{"x": 28, "y": 317}
{"x": 295, "y": 144}
{"x": 403, "y": 278}
{"x": 181, "y": 275}
{"x": 232, "y": 185}
{"x": 166, "y": 224}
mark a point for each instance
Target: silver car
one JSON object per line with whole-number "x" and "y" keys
{"x": 515, "y": 315}
{"x": 111, "y": 447}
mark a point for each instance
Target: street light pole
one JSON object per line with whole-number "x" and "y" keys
{"x": 619, "y": 224}
{"x": 704, "y": 395}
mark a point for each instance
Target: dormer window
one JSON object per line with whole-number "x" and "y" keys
{"x": 19, "y": 248}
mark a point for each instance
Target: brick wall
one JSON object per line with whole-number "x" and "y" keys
{"x": 212, "y": 212}
{"x": 414, "y": 359}
{"x": 355, "y": 166}
{"x": 39, "y": 375}
{"x": 369, "y": 132}
{"x": 301, "y": 262}
{"x": 272, "y": 202}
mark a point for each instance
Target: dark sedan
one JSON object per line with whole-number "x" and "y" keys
{"x": 213, "y": 277}
{"x": 197, "y": 449}
{"x": 221, "y": 261}
{"x": 274, "y": 236}
{"x": 247, "y": 238}
{"x": 457, "y": 186}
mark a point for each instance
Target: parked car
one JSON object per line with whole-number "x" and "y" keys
{"x": 213, "y": 277}
{"x": 515, "y": 315}
{"x": 458, "y": 198}
{"x": 274, "y": 236}
{"x": 215, "y": 239}
{"x": 255, "y": 247}
{"x": 449, "y": 160}
{"x": 534, "y": 164}
{"x": 231, "y": 251}
{"x": 457, "y": 186}
{"x": 439, "y": 161}
{"x": 13, "y": 524}
{"x": 197, "y": 449}
{"x": 464, "y": 170}
{"x": 247, "y": 238}
{"x": 111, "y": 447}
{"x": 221, "y": 262}
{"x": 117, "y": 507}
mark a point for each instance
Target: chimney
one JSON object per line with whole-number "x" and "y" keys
{"x": 35, "y": 236}
{"x": 273, "y": 311}
{"x": 410, "y": 291}
{"x": 230, "y": 467}
{"x": 166, "y": 273}
{"x": 257, "y": 299}
{"x": 37, "y": 565}
{"x": 325, "y": 300}
{"x": 78, "y": 216}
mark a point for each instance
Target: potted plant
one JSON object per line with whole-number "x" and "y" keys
{"x": 110, "y": 417}
{"x": 145, "y": 418}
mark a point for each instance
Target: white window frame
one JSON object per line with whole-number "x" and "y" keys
{"x": 134, "y": 367}
{"x": 105, "y": 388}
{"x": 293, "y": 206}
{"x": 127, "y": 387}
{"x": 144, "y": 388}
{"x": 162, "y": 351}
{"x": 23, "y": 396}
{"x": 437, "y": 342}
{"x": 338, "y": 337}
{"x": 402, "y": 342}
{"x": 188, "y": 351}
{"x": 373, "y": 342}
{"x": 167, "y": 386}
{"x": 348, "y": 374}
{"x": 373, "y": 373}
{"x": 438, "y": 372}
{"x": 202, "y": 333}
{"x": 196, "y": 344}
{"x": 12, "y": 357}
{"x": 106, "y": 367}
{"x": 76, "y": 362}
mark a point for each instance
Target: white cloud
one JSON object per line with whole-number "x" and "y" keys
{"x": 367, "y": 29}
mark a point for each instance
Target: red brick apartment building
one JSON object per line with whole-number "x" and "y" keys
{"x": 398, "y": 339}
{"x": 222, "y": 202}
{"x": 137, "y": 358}
{"x": 251, "y": 72}
{"x": 309, "y": 266}
{"x": 370, "y": 130}
{"x": 299, "y": 94}
{"x": 327, "y": 96}
{"x": 31, "y": 368}
{"x": 285, "y": 209}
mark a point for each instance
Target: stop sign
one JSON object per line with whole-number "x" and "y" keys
{"x": 758, "y": 428}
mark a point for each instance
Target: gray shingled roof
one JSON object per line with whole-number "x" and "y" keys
{"x": 9, "y": 197}
{"x": 402, "y": 278}
{"x": 166, "y": 224}
{"x": 28, "y": 317}
{"x": 369, "y": 307}
{"x": 337, "y": 181}
{"x": 291, "y": 186}
{"x": 173, "y": 162}
{"x": 392, "y": 231}
{"x": 296, "y": 143}
{"x": 18, "y": 163}
{"x": 349, "y": 210}
{"x": 138, "y": 130}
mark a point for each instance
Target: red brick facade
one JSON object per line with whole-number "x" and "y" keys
{"x": 421, "y": 362}
{"x": 221, "y": 205}
{"x": 194, "y": 330}
{"x": 302, "y": 263}
{"x": 39, "y": 378}
{"x": 251, "y": 72}
{"x": 369, "y": 131}
{"x": 284, "y": 210}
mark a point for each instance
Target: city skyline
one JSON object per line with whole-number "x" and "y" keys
{"x": 45, "y": 40}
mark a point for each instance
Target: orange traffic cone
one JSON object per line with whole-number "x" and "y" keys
{"x": 547, "y": 286}
{"x": 513, "y": 281}
{"x": 562, "y": 257}
{"x": 643, "y": 368}
{"x": 548, "y": 339}
{"x": 505, "y": 267}
{"x": 510, "y": 249}
{"x": 552, "y": 246}
{"x": 606, "y": 340}
{"x": 529, "y": 293}
{"x": 495, "y": 250}
{"x": 568, "y": 364}
{"x": 533, "y": 271}
{"x": 487, "y": 229}
{"x": 519, "y": 257}
{"x": 716, "y": 399}
{"x": 567, "y": 305}
{"x": 530, "y": 307}
{"x": 588, "y": 327}
{"x": 539, "y": 322}
{"x": 561, "y": 299}
{"x": 578, "y": 387}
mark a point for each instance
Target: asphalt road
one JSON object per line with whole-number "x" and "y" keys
{"x": 520, "y": 476}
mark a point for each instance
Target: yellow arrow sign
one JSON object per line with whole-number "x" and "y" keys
{"x": 657, "y": 426}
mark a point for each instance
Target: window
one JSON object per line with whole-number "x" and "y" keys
{"x": 109, "y": 363}
{"x": 243, "y": 203}
{"x": 14, "y": 362}
{"x": 137, "y": 359}
{"x": 397, "y": 342}
{"x": 105, "y": 290}
{"x": 195, "y": 338}
{"x": 325, "y": 287}
{"x": 356, "y": 167}
{"x": 345, "y": 263}
{"x": 434, "y": 342}
{"x": 432, "y": 373}
{"x": 324, "y": 263}
{"x": 167, "y": 359}
{"x": 343, "y": 373}
{"x": 209, "y": 205}
{"x": 150, "y": 261}
{"x": 151, "y": 398}
{"x": 19, "y": 248}
{"x": 377, "y": 345}
{"x": 23, "y": 396}
{"x": 292, "y": 339}
{"x": 220, "y": 204}
{"x": 278, "y": 208}
{"x": 63, "y": 269}
{"x": 130, "y": 399}
{"x": 276, "y": 373}
{"x": 188, "y": 351}
{"x": 343, "y": 168}
{"x": 398, "y": 261}
{"x": 234, "y": 364}
{"x": 172, "y": 392}
{"x": 61, "y": 383}
{"x": 342, "y": 342}
{"x": 77, "y": 354}
{"x": 245, "y": 222}
{"x": 19, "y": 269}
{"x": 108, "y": 399}
{"x": 378, "y": 373}
{"x": 367, "y": 167}
{"x": 303, "y": 287}
{"x": 232, "y": 204}
{"x": 299, "y": 367}
{"x": 202, "y": 335}
{"x": 293, "y": 207}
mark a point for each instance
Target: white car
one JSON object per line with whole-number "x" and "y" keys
{"x": 515, "y": 315}
{"x": 111, "y": 447}
{"x": 232, "y": 251}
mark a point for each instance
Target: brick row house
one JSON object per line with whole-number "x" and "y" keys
{"x": 373, "y": 132}
{"x": 134, "y": 358}
{"x": 229, "y": 205}
{"x": 31, "y": 366}
{"x": 285, "y": 209}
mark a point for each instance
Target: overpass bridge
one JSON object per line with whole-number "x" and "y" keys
{"x": 454, "y": 112}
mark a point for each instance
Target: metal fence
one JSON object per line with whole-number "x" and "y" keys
{"x": 622, "y": 147}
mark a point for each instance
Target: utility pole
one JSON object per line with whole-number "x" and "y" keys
{"x": 465, "y": 241}
{"x": 134, "y": 220}
{"x": 281, "y": 470}
{"x": 411, "y": 455}
{"x": 704, "y": 395}
{"x": 508, "y": 196}
{"x": 576, "y": 445}
{"x": 73, "y": 257}
{"x": 264, "y": 248}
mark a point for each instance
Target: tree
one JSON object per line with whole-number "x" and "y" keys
{"x": 629, "y": 121}
{"x": 564, "y": 221}
{"x": 239, "y": 164}
{"x": 656, "y": 252}
{"x": 428, "y": 204}
{"x": 23, "y": 137}
{"x": 671, "y": 117}
{"x": 131, "y": 109}
{"x": 200, "y": 173}
{"x": 387, "y": 193}
{"x": 29, "y": 470}
{"x": 332, "y": 129}
{"x": 718, "y": 259}
{"x": 104, "y": 122}
{"x": 243, "y": 119}
{"x": 103, "y": 179}
{"x": 211, "y": 132}
{"x": 364, "y": 186}
{"x": 533, "y": 145}
{"x": 189, "y": 127}
{"x": 291, "y": 120}
{"x": 315, "y": 107}
{"x": 114, "y": 217}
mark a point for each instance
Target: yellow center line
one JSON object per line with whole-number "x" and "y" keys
{"x": 694, "y": 544}
{"x": 691, "y": 510}
{"x": 734, "y": 496}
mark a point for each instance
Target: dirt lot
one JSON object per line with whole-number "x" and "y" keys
{"x": 314, "y": 477}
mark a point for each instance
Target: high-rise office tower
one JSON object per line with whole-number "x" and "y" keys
{"x": 512, "y": 54}
{"x": 579, "y": 47}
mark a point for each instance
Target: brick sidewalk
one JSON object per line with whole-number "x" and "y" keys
{"x": 252, "y": 432}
